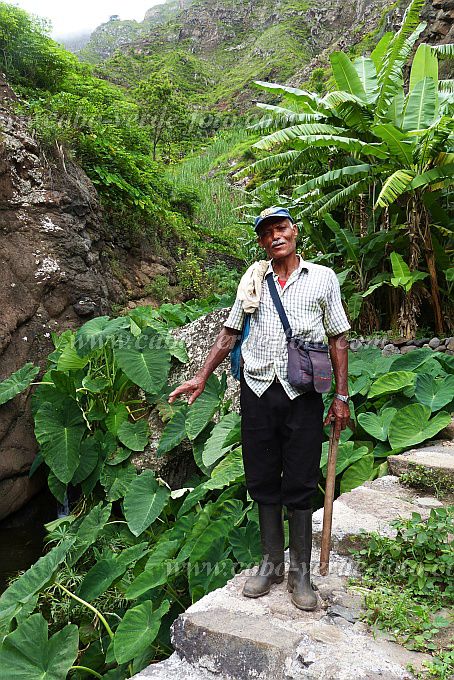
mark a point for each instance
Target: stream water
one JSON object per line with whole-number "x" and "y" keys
{"x": 19, "y": 549}
{"x": 21, "y": 537}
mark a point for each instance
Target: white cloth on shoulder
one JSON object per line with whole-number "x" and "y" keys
{"x": 250, "y": 286}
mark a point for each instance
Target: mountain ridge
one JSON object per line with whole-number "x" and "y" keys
{"x": 229, "y": 44}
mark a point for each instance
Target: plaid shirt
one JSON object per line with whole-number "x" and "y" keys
{"x": 312, "y": 301}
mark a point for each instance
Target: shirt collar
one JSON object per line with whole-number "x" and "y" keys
{"x": 302, "y": 265}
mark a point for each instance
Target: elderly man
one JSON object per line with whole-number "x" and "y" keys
{"x": 282, "y": 426}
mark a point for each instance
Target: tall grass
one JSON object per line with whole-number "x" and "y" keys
{"x": 206, "y": 173}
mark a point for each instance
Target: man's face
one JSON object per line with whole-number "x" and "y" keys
{"x": 278, "y": 237}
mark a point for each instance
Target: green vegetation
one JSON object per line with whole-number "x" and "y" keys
{"x": 90, "y": 418}
{"x": 367, "y": 169}
{"x": 380, "y": 158}
{"x": 408, "y": 586}
{"x": 203, "y": 177}
{"x": 133, "y": 554}
{"x": 109, "y": 131}
{"x": 427, "y": 479}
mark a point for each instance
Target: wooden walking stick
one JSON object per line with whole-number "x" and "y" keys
{"x": 329, "y": 498}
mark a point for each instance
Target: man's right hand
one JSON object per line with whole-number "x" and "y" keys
{"x": 193, "y": 387}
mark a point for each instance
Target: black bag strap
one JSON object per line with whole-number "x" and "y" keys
{"x": 279, "y": 306}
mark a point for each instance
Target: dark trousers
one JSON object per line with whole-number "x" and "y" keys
{"x": 282, "y": 444}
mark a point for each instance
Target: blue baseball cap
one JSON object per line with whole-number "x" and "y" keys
{"x": 274, "y": 211}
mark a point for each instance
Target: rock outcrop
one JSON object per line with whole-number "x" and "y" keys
{"x": 51, "y": 275}
{"x": 55, "y": 272}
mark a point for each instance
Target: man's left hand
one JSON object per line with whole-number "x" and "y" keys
{"x": 339, "y": 412}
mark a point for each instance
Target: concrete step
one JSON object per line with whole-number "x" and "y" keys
{"x": 372, "y": 507}
{"x": 230, "y": 637}
{"x": 437, "y": 459}
{"x": 176, "y": 668}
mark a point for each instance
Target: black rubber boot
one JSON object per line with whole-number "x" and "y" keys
{"x": 300, "y": 548}
{"x": 272, "y": 566}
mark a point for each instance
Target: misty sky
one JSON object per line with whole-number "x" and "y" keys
{"x": 69, "y": 18}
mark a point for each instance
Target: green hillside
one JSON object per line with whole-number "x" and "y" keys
{"x": 214, "y": 49}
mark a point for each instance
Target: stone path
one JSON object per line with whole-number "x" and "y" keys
{"x": 230, "y": 637}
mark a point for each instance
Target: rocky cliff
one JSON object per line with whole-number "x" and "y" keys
{"x": 56, "y": 271}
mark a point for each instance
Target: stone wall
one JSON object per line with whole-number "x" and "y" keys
{"x": 388, "y": 346}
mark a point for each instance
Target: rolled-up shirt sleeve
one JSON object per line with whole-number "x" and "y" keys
{"x": 334, "y": 317}
{"x": 236, "y": 317}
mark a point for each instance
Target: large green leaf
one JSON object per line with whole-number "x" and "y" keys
{"x": 435, "y": 175}
{"x": 134, "y": 435}
{"x": 57, "y": 488}
{"x": 101, "y": 576}
{"x": 94, "y": 333}
{"x": 402, "y": 276}
{"x": 424, "y": 65}
{"x": 204, "y": 581}
{"x": 348, "y": 240}
{"x": 116, "y": 415}
{"x": 137, "y": 630}
{"x": 118, "y": 456}
{"x": 358, "y": 473}
{"x": 95, "y": 385}
{"x": 420, "y": 106}
{"x": 343, "y": 143}
{"x": 225, "y": 434}
{"x": 90, "y": 450}
{"x": 147, "y": 367}
{"x": 396, "y": 53}
{"x": 394, "y": 186}
{"x": 165, "y": 549}
{"x": 394, "y": 381}
{"x": 412, "y": 360}
{"x": 395, "y": 111}
{"x": 398, "y": 144}
{"x": 116, "y": 479}
{"x": 347, "y": 453}
{"x": 23, "y": 589}
{"x": 17, "y": 382}
{"x": 203, "y": 409}
{"x": 28, "y": 654}
{"x": 380, "y": 49}
{"x": 434, "y": 393}
{"x": 411, "y": 425}
{"x": 354, "y": 304}
{"x": 174, "y": 432}
{"x": 88, "y": 530}
{"x": 229, "y": 469}
{"x": 144, "y": 502}
{"x": 293, "y": 93}
{"x": 245, "y": 542}
{"x": 69, "y": 359}
{"x": 177, "y": 348}
{"x": 151, "y": 578}
{"x": 365, "y": 68}
{"x": 332, "y": 176}
{"x": 59, "y": 431}
{"x": 216, "y": 531}
{"x": 346, "y": 75}
{"x": 377, "y": 424}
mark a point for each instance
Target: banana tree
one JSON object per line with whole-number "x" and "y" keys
{"x": 378, "y": 144}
